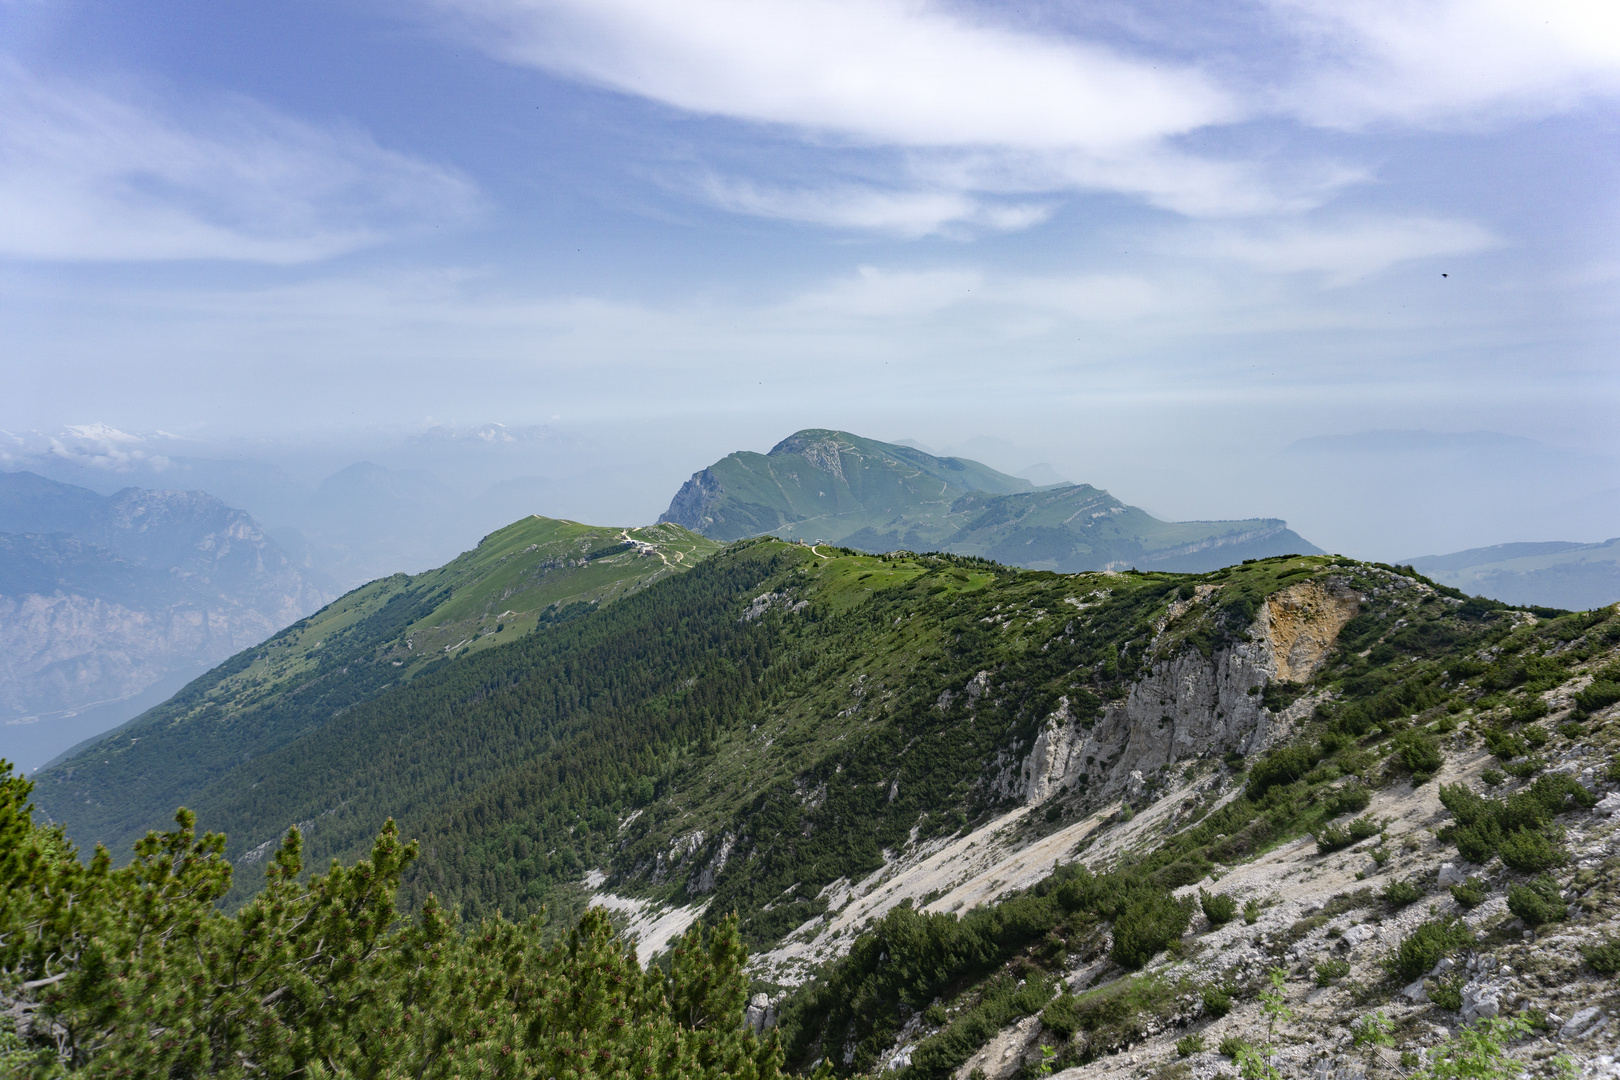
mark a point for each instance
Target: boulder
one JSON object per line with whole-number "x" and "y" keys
{"x": 1451, "y": 874}
{"x": 1575, "y": 1025}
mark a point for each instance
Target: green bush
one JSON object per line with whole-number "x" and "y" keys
{"x": 1530, "y": 852}
{"x": 1333, "y": 838}
{"x": 1060, "y": 1017}
{"x": 1513, "y": 825}
{"x": 1145, "y": 927}
{"x": 1363, "y": 827}
{"x": 1447, "y": 992}
{"x": 1478, "y": 842}
{"x": 1217, "y": 1000}
{"x": 1397, "y": 894}
{"x": 1476, "y": 1053}
{"x": 1471, "y": 893}
{"x": 1232, "y": 1046}
{"x": 1599, "y": 695}
{"x": 1329, "y": 970}
{"x": 1219, "y": 908}
{"x": 1374, "y": 1029}
{"x": 1350, "y": 799}
{"x": 1188, "y": 1045}
{"x": 1524, "y": 768}
{"x": 1424, "y": 946}
{"x": 1492, "y": 777}
{"x": 1603, "y": 958}
{"x": 1419, "y": 753}
{"x": 1280, "y": 766}
{"x": 1251, "y": 911}
{"x": 1538, "y": 902}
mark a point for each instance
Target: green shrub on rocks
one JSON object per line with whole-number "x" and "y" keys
{"x": 1603, "y": 958}
{"x": 1149, "y": 924}
{"x": 1531, "y": 852}
{"x": 1424, "y": 946}
{"x": 1330, "y": 970}
{"x": 1219, "y": 908}
{"x": 1397, "y": 894}
{"x": 1471, "y": 893}
{"x": 1060, "y": 1016}
{"x": 1537, "y": 902}
{"x": 1419, "y": 753}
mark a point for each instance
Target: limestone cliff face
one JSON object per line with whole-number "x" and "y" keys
{"x": 1188, "y": 704}
{"x": 691, "y": 506}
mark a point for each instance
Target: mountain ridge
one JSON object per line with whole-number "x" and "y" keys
{"x": 830, "y": 485}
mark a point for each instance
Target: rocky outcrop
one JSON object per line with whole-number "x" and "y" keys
{"x": 1188, "y": 705}
{"x": 1300, "y": 624}
{"x": 693, "y": 505}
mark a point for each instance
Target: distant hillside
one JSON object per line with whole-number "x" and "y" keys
{"x": 103, "y": 598}
{"x": 537, "y": 572}
{"x": 830, "y": 485}
{"x": 1554, "y": 574}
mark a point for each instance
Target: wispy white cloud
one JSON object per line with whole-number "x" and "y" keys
{"x": 980, "y": 112}
{"x": 904, "y": 213}
{"x": 1428, "y": 62}
{"x": 1341, "y": 251}
{"x": 881, "y": 71}
{"x": 87, "y": 175}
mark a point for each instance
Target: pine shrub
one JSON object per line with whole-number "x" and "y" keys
{"x": 1424, "y": 946}
{"x": 1219, "y": 908}
{"x": 1537, "y": 902}
{"x": 1471, "y": 893}
{"x": 1530, "y": 852}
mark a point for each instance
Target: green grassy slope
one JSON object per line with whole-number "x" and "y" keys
{"x": 1556, "y": 574}
{"x": 535, "y": 573}
{"x": 874, "y": 496}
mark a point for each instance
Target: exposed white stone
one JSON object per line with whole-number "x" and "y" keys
{"x": 1451, "y": 874}
{"x": 1582, "y": 1020}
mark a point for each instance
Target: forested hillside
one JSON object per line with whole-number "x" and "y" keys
{"x": 801, "y": 735}
{"x": 530, "y": 576}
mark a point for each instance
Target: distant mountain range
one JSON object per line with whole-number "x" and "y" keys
{"x": 103, "y": 598}
{"x": 874, "y": 496}
{"x": 1554, "y": 574}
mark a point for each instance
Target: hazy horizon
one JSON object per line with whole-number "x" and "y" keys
{"x": 1160, "y": 250}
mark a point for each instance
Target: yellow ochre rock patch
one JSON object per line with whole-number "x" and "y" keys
{"x": 1302, "y": 622}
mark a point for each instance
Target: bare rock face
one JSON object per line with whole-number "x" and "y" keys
{"x": 1300, "y": 624}
{"x": 1189, "y": 705}
{"x": 692, "y": 505}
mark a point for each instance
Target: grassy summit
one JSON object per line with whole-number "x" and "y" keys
{"x": 874, "y": 496}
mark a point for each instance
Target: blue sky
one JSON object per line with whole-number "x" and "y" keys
{"x": 1155, "y": 243}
